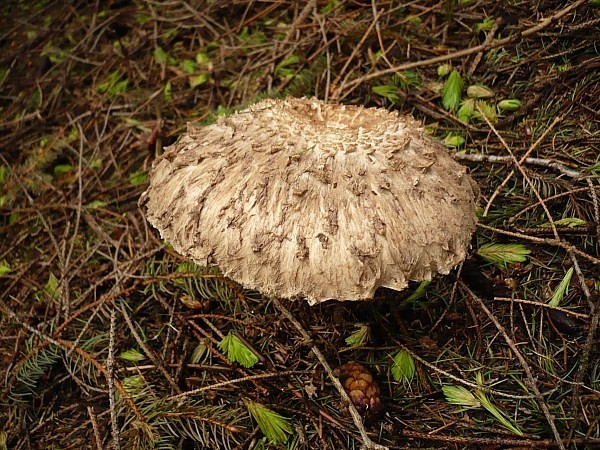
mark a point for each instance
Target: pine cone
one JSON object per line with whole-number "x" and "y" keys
{"x": 361, "y": 388}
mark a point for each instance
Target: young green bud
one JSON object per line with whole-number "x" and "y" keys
{"x": 510, "y": 104}
{"x": 478, "y": 91}
{"x": 444, "y": 70}
{"x": 454, "y": 140}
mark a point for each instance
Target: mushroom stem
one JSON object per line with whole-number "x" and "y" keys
{"x": 368, "y": 444}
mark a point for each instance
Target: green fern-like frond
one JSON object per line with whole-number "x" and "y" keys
{"x": 237, "y": 351}
{"x": 273, "y": 425}
{"x": 304, "y": 82}
{"x": 197, "y": 282}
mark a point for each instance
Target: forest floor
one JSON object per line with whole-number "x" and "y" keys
{"x": 109, "y": 339}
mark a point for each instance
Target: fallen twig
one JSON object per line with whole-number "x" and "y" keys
{"x": 367, "y": 442}
{"x": 337, "y": 90}
{"x": 512, "y": 158}
{"x": 531, "y": 379}
{"x": 542, "y": 162}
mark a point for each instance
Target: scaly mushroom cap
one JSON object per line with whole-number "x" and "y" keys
{"x": 298, "y": 198}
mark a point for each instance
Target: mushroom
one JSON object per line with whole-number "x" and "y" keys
{"x": 299, "y": 198}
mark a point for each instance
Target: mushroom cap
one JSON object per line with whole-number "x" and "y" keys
{"x": 299, "y": 198}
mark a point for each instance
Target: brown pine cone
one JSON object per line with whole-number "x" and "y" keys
{"x": 361, "y": 388}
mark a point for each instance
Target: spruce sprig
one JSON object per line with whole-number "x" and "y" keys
{"x": 273, "y": 425}
{"x": 237, "y": 351}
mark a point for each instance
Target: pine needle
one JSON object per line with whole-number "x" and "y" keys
{"x": 505, "y": 422}
{"x": 419, "y": 292}
{"x": 273, "y": 425}
{"x": 237, "y": 352}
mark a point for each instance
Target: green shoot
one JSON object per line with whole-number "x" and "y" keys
{"x": 273, "y": 425}
{"x": 60, "y": 170}
{"x": 202, "y": 59}
{"x": 569, "y": 222}
{"x": 4, "y": 268}
{"x": 403, "y": 367}
{"x": 286, "y": 68}
{"x": 330, "y": 6}
{"x": 132, "y": 355}
{"x": 188, "y": 66}
{"x": 168, "y": 92}
{"x": 3, "y": 174}
{"x": 458, "y": 395}
{"x": 562, "y": 289}
{"x": 199, "y": 353}
{"x": 503, "y": 254}
{"x": 51, "y": 287}
{"x": 454, "y": 140}
{"x": 484, "y": 109}
{"x": 478, "y": 91}
{"x": 486, "y": 25}
{"x": 137, "y": 177}
{"x": 511, "y": 104}
{"x": 388, "y": 91}
{"x": 419, "y": 292}
{"x": 405, "y": 79}
{"x": 113, "y": 85}
{"x": 198, "y": 80}
{"x": 237, "y": 352}
{"x": 451, "y": 92}
{"x": 160, "y": 56}
{"x": 466, "y": 110}
{"x": 443, "y": 70}
{"x": 358, "y": 337}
